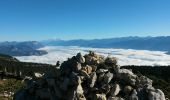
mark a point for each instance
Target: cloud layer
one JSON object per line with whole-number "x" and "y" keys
{"x": 124, "y": 56}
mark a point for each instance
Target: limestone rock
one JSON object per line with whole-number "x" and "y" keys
{"x": 126, "y": 76}
{"x": 88, "y": 69}
{"x": 115, "y": 98}
{"x": 127, "y": 89}
{"x": 79, "y": 91}
{"x": 38, "y": 75}
{"x": 101, "y": 77}
{"x": 80, "y": 58}
{"x": 84, "y": 73}
{"x": 111, "y": 61}
{"x": 134, "y": 95}
{"x": 156, "y": 94}
{"x": 105, "y": 89}
{"x": 143, "y": 81}
{"x": 115, "y": 90}
{"x": 93, "y": 79}
{"x": 100, "y": 97}
{"x": 77, "y": 67}
{"x": 108, "y": 77}
{"x": 102, "y": 70}
{"x": 92, "y": 58}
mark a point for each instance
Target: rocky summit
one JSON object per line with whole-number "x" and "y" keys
{"x": 89, "y": 77}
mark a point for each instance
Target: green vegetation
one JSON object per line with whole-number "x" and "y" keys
{"x": 5, "y": 56}
{"x": 9, "y": 86}
{"x": 11, "y": 67}
{"x": 8, "y": 58}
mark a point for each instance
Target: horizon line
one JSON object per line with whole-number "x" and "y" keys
{"x": 84, "y": 39}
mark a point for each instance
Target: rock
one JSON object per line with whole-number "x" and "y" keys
{"x": 111, "y": 61}
{"x": 115, "y": 90}
{"x": 144, "y": 81}
{"x": 115, "y": 98}
{"x": 75, "y": 92}
{"x": 101, "y": 77}
{"x": 58, "y": 64}
{"x": 108, "y": 77}
{"x": 38, "y": 75}
{"x": 93, "y": 78}
{"x": 84, "y": 73}
{"x": 28, "y": 81}
{"x": 134, "y": 95}
{"x": 102, "y": 71}
{"x": 52, "y": 74}
{"x": 79, "y": 91}
{"x": 141, "y": 93}
{"x": 65, "y": 67}
{"x": 156, "y": 94}
{"x": 105, "y": 89}
{"x": 92, "y": 53}
{"x": 94, "y": 68}
{"x": 80, "y": 58}
{"x": 100, "y": 97}
{"x": 127, "y": 90}
{"x": 88, "y": 69}
{"x": 64, "y": 84}
{"x": 5, "y": 94}
{"x": 92, "y": 58}
{"x": 126, "y": 76}
{"x": 73, "y": 78}
{"x": 77, "y": 67}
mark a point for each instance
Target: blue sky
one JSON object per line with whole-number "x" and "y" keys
{"x": 82, "y": 19}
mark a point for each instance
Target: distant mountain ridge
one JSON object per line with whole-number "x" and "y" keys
{"x": 21, "y": 48}
{"x": 160, "y": 43}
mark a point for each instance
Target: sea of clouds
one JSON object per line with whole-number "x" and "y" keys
{"x": 124, "y": 56}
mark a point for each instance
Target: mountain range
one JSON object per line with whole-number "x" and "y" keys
{"x": 21, "y": 48}
{"x": 160, "y": 43}
{"x": 28, "y": 48}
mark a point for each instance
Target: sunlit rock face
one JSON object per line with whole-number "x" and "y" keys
{"x": 89, "y": 77}
{"x": 124, "y": 56}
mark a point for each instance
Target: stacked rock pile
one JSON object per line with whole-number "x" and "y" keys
{"x": 89, "y": 77}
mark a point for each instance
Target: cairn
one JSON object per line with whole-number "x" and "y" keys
{"x": 89, "y": 77}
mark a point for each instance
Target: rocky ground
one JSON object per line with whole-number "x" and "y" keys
{"x": 89, "y": 77}
{"x": 8, "y": 87}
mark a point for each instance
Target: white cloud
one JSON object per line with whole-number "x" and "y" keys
{"x": 125, "y": 56}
